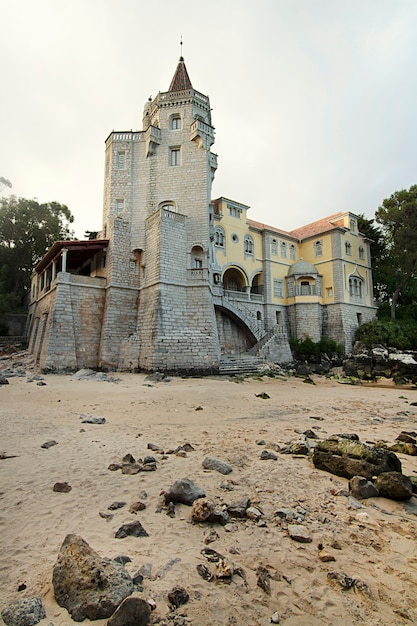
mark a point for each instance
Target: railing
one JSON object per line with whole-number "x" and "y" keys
{"x": 305, "y": 290}
{"x": 153, "y": 134}
{"x": 243, "y": 296}
{"x": 201, "y": 127}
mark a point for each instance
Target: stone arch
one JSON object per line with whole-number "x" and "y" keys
{"x": 168, "y": 205}
{"x": 257, "y": 285}
{"x": 235, "y": 279}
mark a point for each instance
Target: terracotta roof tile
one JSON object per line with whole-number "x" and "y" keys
{"x": 320, "y": 226}
{"x": 181, "y": 80}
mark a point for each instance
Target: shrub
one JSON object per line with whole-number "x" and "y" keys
{"x": 309, "y": 350}
{"x": 400, "y": 334}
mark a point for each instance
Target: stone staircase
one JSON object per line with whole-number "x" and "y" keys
{"x": 239, "y": 364}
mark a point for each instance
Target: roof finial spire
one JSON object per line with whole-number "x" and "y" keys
{"x": 181, "y": 57}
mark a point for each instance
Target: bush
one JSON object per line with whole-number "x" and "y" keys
{"x": 309, "y": 350}
{"x": 400, "y": 334}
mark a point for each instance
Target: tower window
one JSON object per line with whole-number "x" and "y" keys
{"x": 234, "y": 211}
{"x": 348, "y": 248}
{"x": 219, "y": 238}
{"x": 361, "y": 253}
{"x": 176, "y": 122}
{"x": 120, "y": 160}
{"x": 174, "y": 156}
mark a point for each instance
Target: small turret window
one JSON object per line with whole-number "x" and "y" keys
{"x": 175, "y": 122}
{"x": 174, "y": 156}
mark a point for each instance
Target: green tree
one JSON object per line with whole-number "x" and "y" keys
{"x": 27, "y": 231}
{"x": 398, "y": 218}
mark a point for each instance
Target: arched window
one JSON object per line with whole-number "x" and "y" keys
{"x": 356, "y": 287}
{"x": 348, "y": 248}
{"x": 318, "y": 248}
{"x": 361, "y": 253}
{"x": 197, "y": 255}
{"x": 248, "y": 245}
{"x": 219, "y": 237}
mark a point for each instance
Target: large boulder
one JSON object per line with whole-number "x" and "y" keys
{"x": 394, "y": 485}
{"x": 87, "y": 585}
{"x": 131, "y": 612}
{"x": 347, "y": 458}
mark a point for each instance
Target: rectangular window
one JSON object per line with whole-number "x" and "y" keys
{"x": 119, "y": 205}
{"x": 234, "y": 211}
{"x": 329, "y": 292}
{"x": 292, "y": 252}
{"x": 176, "y": 123}
{"x": 278, "y": 288}
{"x": 318, "y": 248}
{"x": 120, "y": 160}
{"x": 174, "y": 156}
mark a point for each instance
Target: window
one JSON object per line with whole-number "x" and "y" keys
{"x": 168, "y": 206}
{"x": 278, "y": 288}
{"x": 119, "y": 206}
{"x": 176, "y": 122}
{"x": 120, "y": 160}
{"x": 353, "y": 226}
{"x": 234, "y": 211}
{"x": 355, "y": 287}
{"x": 362, "y": 253}
{"x": 248, "y": 245}
{"x": 318, "y": 248}
{"x": 197, "y": 254}
{"x": 292, "y": 252}
{"x": 274, "y": 246}
{"x": 290, "y": 287}
{"x": 174, "y": 156}
{"x": 283, "y": 249}
{"x": 278, "y": 317}
{"x": 329, "y": 291}
{"x": 348, "y": 248}
{"x": 258, "y": 316}
{"x": 219, "y": 238}
{"x": 197, "y": 263}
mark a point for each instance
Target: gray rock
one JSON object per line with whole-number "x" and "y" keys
{"x": 266, "y": 455}
{"x": 131, "y": 612}
{"x": 216, "y": 464}
{"x": 343, "y": 457}
{"x": 133, "y": 529}
{"x": 87, "y": 585}
{"x": 26, "y": 612}
{"x": 362, "y": 488}
{"x": 183, "y": 491}
{"x": 178, "y": 596}
{"x": 413, "y": 480}
{"x": 238, "y": 509}
{"x": 394, "y": 485}
{"x": 4, "y": 381}
{"x": 93, "y": 419}
{"x": 49, "y": 444}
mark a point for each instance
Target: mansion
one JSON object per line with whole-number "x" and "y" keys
{"x": 179, "y": 282}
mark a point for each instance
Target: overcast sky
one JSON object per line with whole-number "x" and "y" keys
{"x": 314, "y": 101}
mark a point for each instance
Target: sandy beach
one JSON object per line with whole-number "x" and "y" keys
{"x": 375, "y": 544}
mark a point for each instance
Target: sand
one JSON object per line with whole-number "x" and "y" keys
{"x": 375, "y": 544}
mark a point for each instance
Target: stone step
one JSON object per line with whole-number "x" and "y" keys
{"x": 239, "y": 364}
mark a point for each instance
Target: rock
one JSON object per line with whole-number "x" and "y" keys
{"x": 326, "y": 557}
{"x": 202, "y": 509}
{"x": 394, "y": 485}
{"x": 238, "y": 509}
{"x": 413, "y": 480}
{"x": 62, "y": 487}
{"x": 87, "y": 585}
{"x": 132, "y": 468}
{"x": 262, "y": 395}
{"x": 49, "y": 444}
{"x": 26, "y": 612}
{"x": 183, "y": 491}
{"x": 299, "y": 447}
{"x": 362, "y": 488}
{"x": 204, "y": 572}
{"x": 211, "y": 536}
{"x": 350, "y": 436}
{"x": 137, "y": 506}
{"x": 128, "y": 458}
{"x": 253, "y": 513}
{"x": 219, "y": 516}
{"x": 224, "y": 569}
{"x": 4, "y": 381}
{"x": 343, "y": 457}
{"x": 275, "y": 618}
{"x": 133, "y": 529}
{"x": 216, "y": 464}
{"x": 106, "y": 516}
{"x": 407, "y": 437}
{"x": 263, "y": 579}
{"x": 404, "y": 448}
{"x": 342, "y": 579}
{"x": 299, "y": 533}
{"x": 116, "y": 505}
{"x": 266, "y": 455}
{"x": 212, "y": 555}
{"x": 123, "y": 559}
{"x": 178, "y": 596}
{"x": 310, "y": 434}
{"x": 155, "y": 448}
{"x": 94, "y": 419}
{"x": 131, "y": 612}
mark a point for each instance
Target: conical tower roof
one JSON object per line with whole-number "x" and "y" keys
{"x": 181, "y": 80}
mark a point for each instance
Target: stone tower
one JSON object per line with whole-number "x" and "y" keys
{"x": 158, "y": 217}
